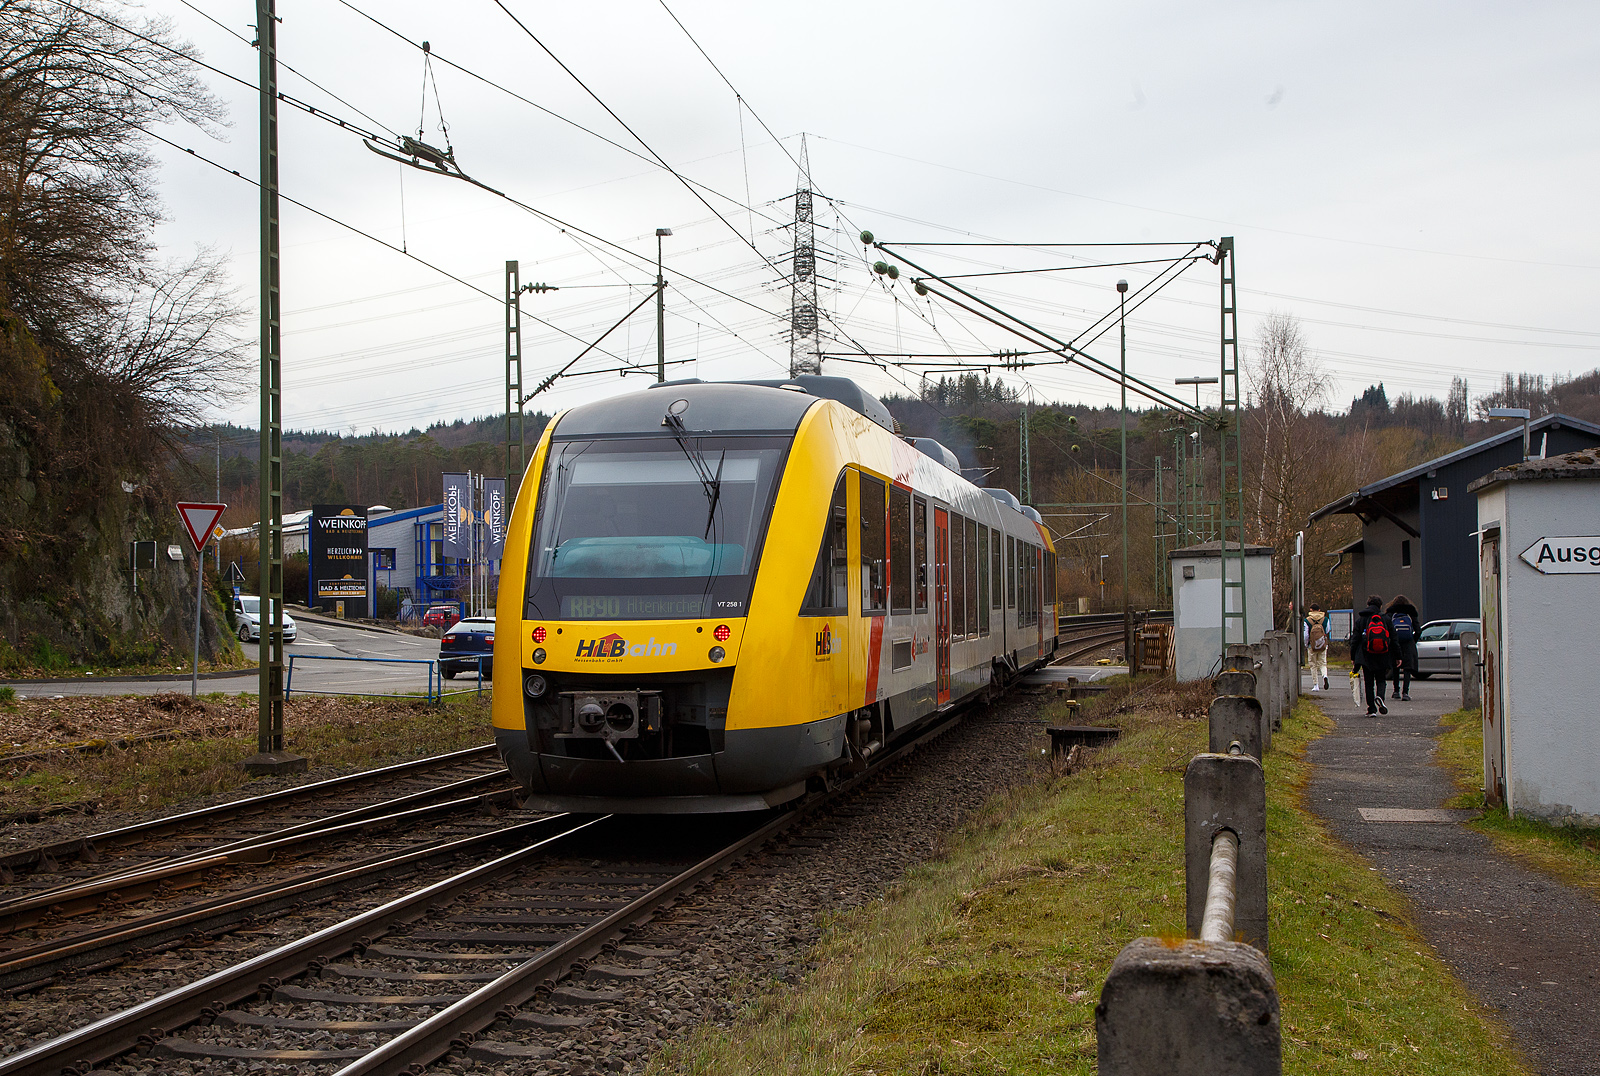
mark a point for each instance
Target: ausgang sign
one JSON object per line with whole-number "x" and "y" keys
{"x": 1565, "y": 555}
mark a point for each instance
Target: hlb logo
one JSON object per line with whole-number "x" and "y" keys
{"x": 615, "y": 646}
{"x": 612, "y": 646}
{"x": 826, "y": 643}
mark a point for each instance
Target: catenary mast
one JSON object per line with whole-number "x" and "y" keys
{"x": 805, "y": 352}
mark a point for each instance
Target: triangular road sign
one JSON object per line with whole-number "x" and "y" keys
{"x": 198, "y": 519}
{"x": 234, "y": 573}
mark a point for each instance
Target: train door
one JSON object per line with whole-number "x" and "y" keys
{"x": 941, "y": 604}
{"x": 1494, "y": 718}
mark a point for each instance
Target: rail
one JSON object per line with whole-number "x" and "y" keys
{"x": 1210, "y": 1004}
{"x": 149, "y": 1022}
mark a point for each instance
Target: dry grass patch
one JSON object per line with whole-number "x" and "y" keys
{"x": 155, "y": 751}
{"x": 991, "y": 958}
{"x": 1570, "y": 853}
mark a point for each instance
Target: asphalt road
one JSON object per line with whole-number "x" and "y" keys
{"x": 384, "y": 671}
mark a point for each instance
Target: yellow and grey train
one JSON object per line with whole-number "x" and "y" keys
{"x": 715, "y": 594}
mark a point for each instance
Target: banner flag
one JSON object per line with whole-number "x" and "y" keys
{"x": 494, "y": 515}
{"x": 457, "y": 515}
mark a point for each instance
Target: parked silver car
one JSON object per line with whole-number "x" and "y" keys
{"x": 1439, "y": 646}
{"x": 247, "y": 614}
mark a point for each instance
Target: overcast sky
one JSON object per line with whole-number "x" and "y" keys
{"x": 1414, "y": 182}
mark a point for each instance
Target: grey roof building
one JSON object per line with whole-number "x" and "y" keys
{"x": 1419, "y": 527}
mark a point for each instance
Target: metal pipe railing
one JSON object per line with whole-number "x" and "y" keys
{"x": 1216, "y": 925}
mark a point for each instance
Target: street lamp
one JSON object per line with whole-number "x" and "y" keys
{"x": 1516, "y": 412}
{"x": 1127, "y": 613}
{"x": 661, "y": 309}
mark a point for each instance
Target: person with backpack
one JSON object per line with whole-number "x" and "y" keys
{"x": 1405, "y": 620}
{"x": 1372, "y": 650}
{"x": 1314, "y": 635}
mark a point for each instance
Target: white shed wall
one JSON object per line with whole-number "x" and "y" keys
{"x": 1551, "y": 682}
{"x": 1197, "y": 610}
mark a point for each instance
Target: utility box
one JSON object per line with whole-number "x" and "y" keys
{"x": 1539, "y": 583}
{"x": 1197, "y": 605}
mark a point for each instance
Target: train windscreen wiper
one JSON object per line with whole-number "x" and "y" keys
{"x": 710, "y": 481}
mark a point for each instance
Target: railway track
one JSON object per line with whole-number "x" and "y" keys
{"x": 253, "y": 815}
{"x": 474, "y": 961}
{"x": 201, "y": 873}
{"x": 1083, "y": 635}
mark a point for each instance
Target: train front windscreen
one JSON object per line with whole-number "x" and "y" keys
{"x": 651, "y": 528}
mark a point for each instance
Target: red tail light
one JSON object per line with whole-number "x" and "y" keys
{"x": 538, "y": 635}
{"x": 721, "y": 633}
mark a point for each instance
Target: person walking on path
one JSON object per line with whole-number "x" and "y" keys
{"x": 1314, "y": 635}
{"x": 1372, "y": 651}
{"x": 1404, "y": 619}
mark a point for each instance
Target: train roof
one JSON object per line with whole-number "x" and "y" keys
{"x": 723, "y": 407}
{"x": 757, "y": 406}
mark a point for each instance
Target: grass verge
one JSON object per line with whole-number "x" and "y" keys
{"x": 210, "y": 736}
{"x": 990, "y": 959}
{"x": 1570, "y": 853}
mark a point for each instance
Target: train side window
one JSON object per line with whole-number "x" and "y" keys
{"x": 919, "y": 524}
{"x": 1011, "y": 572}
{"x": 958, "y": 576}
{"x": 828, "y": 593}
{"x": 997, "y": 585}
{"x": 900, "y": 567}
{"x": 985, "y": 540}
{"x": 874, "y": 547}
{"x": 1050, "y": 579}
{"x": 972, "y": 578}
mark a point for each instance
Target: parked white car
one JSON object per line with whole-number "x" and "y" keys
{"x": 1439, "y": 646}
{"x": 247, "y": 612}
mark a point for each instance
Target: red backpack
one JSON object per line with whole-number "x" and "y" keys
{"x": 1375, "y": 640}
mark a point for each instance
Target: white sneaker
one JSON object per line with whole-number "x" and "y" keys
{"x": 1314, "y": 687}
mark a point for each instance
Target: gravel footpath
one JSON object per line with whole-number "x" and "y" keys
{"x": 1526, "y": 944}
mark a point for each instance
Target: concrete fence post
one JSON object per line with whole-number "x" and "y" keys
{"x": 1266, "y": 679}
{"x": 1471, "y": 671}
{"x": 1239, "y": 657}
{"x": 1209, "y": 1006}
{"x": 1192, "y": 1009}
{"x": 1237, "y": 718}
{"x": 1294, "y": 667}
{"x": 1227, "y": 792}
{"x": 1288, "y": 675}
{"x": 1235, "y": 682}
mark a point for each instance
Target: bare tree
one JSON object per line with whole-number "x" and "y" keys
{"x": 1288, "y": 386}
{"x": 79, "y": 86}
{"x": 136, "y": 348}
{"x": 171, "y": 341}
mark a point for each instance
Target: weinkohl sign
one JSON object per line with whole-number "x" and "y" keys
{"x": 339, "y": 557}
{"x": 1565, "y": 555}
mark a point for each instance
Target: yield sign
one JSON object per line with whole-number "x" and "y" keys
{"x": 198, "y": 519}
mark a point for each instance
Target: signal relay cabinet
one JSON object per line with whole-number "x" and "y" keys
{"x": 1539, "y": 582}
{"x": 1197, "y": 604}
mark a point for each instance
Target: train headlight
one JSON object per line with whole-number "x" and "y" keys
{"x": 722, "y": 632}
{"x": 717, "y": 654}
{"x": 538, "y": 656}
{"x": 535, "y": 685}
